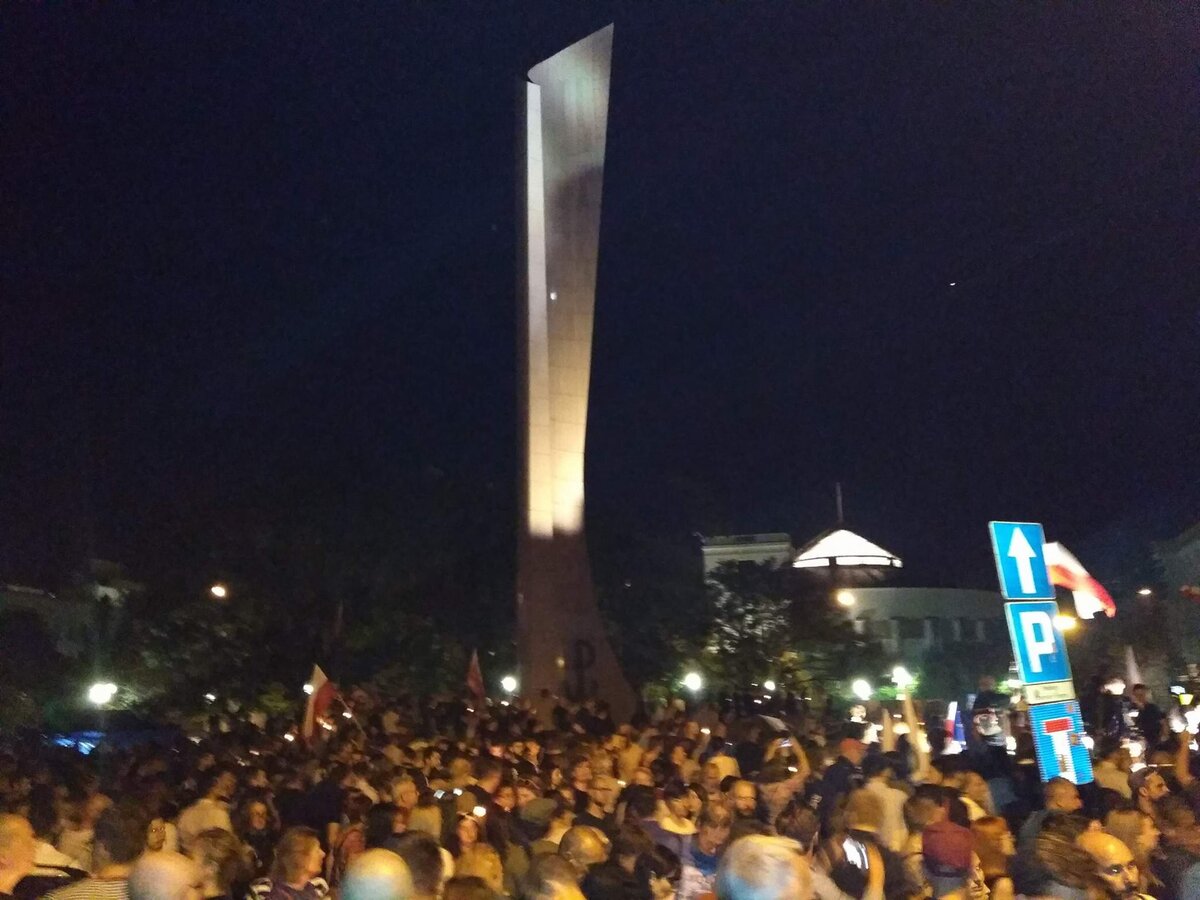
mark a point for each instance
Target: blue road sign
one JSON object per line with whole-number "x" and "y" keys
{"x": 1057, "y": 730}
{"x": 1037, "y": 644}
{"x": 1021, "y": 561}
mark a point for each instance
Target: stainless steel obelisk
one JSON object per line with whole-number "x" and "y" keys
{"x": 561, "y": 640}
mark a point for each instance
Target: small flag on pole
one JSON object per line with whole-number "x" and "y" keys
{"x": 1068, "y": 572}
{"x": 475, "y": 678}
{"x": 323, "y": 692}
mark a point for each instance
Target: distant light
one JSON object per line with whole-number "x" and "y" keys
{"x": 308, "y": 688}
{"x": 769, "y": 684}
{"x": 554, "y": 295}
{"x": 1145, "y": 592}
{"x": 289, "y": 737}
{"x": 479, "y": 812}
{"x": 219, "y": 591}
{"x": 327, "y": 726}
{"x": 346, "y": 714}
{"x": 953, "y": 283}
{"x": 846, "y": 598}
{"x": 1065, "y": 623}
{"x": 861, "y": 688}
{"x": 1177, "y": 689}
{"x": 210, "y": 697}
{"x": 902, "y": 677}
{"x": 101, "y": 692}
{"x": 692, "y": 681}
{"x": 509, "y": 683}
{"x": 1115, "y": 686}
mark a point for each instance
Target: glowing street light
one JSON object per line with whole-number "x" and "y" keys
{"x": 308, "y": 688}
{"x": 861, "y": 689}
{"x": 902, "y": 678}
{"x": 101, "y": 693}
{"x": 509, "y": 683}
{"x": 692, "y": 681}
{"x": 846, "y": 598}
{"x": 1144, "y": 592}
{"x": 1065, "y": 623}
{"x": 769, "y": 685}
{"x": 219, "y": 591}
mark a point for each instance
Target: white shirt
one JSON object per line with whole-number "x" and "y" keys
{"x": 892, "y": 831}
{"x": 201, "y": 816}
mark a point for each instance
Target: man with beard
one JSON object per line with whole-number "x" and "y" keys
{"x": 1116, "y": 871}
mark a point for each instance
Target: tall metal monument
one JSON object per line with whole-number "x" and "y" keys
{"x": 564, "y": 119}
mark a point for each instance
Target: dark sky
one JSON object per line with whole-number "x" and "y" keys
{"x": 947, "y": 254}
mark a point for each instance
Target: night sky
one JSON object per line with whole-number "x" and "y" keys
{"x": 946, "y": 254}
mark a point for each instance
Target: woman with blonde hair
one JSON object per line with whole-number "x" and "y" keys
{"x": 296, "y": 871}
{"x": 483, "y": 862}
{"x": 1137, "y": 831}
{"x": 995, "y": 847}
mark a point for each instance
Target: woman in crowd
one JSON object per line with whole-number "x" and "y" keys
{"x": 258, "y": 828}
{"x": 467, "y": 834}
{"x": 483, "y": 862}
{"x": 384, "y": 822}
{"x": 995, "y": 847}
{"x": 221, "y": 858}
{"x": 352, "y": 838}
{"x": 296, "y": 870}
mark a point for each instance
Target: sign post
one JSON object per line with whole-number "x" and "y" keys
{"x": 1040, "y": 651}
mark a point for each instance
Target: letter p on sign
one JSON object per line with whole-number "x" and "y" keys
{"x": 1038, "y": 630}
{"x": 1037, "y": 645}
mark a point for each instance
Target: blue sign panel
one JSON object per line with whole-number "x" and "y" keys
{"x": 1021, "y": 561}
{"x": 1037, "y": 644}
{"x": 1057, "y": 730}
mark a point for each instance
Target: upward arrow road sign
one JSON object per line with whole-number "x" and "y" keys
{"x": 1019, "y": 548}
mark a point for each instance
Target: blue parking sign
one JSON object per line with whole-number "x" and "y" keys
{"x": 1019, "y": 548}
{"x": 1037, "y": 643}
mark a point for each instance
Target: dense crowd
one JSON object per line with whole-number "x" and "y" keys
{"x": 554, "y": 800}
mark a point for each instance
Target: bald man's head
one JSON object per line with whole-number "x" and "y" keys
{"x": 377, "y": 875}
{"x": 1115, "y": 866}
{"x": 164, "y": 875}
{"x": 583, "y": 847}
{"x": 1062, "y": 796}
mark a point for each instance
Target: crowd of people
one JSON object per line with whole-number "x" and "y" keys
{"x": 548, "y": 799}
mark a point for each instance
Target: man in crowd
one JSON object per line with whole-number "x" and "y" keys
{"x": 602, "y": 792}
{"x": 423, "y": 857}
{"x": 1113, "y": 764}
{"x": 119, "y": 841}
{"x": 1149, "y": 718}
{"x": 879, "y": 772}
{"x": 1061, "y": 797}
{"x": 743, "y": 800}
{"x": 951, "y": 865}
{"x": 1115, "y": 868}
{"x": 165, "y": 875}
{"x": 211, "y": 810}
{"x": 763, "y": 868}
{"x": 377, "y": 875}
{"x": 698, "y": 865}
{"x": 1148, "y": 787}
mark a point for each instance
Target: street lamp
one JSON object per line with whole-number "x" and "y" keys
{"x": 1144, "y": 592}
{"x": 769, "y": 685}
{"x": 1065, "y": 623}
{"x": 101, "y": 693}
{"x": 861, "y": 689}
{"x": 692, "y": 681}
{"x": 308, "y": 688}
{"x": 219, "y": 591}
{"x": 846, "y": 598}
{"x": 902, "y": 678}
{"x": 509, "y": 683}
